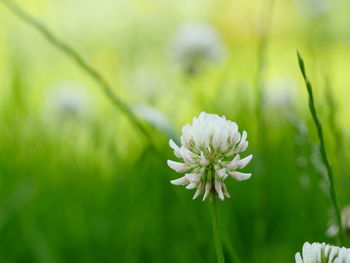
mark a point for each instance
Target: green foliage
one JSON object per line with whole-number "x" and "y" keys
{"x": 93, "y": 189}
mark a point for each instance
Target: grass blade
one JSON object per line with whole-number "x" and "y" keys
{"x": 322, "y": 148}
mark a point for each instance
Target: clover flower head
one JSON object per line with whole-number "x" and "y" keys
{"x": 196, "y": 43}
{"x": 321, "y": 252}
{"x": 210, "y": 150}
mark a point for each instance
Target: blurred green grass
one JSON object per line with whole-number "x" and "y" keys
{"x": 92, "y": 189}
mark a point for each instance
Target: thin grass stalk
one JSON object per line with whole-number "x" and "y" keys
{"x": 332, "y": 192}
{"x": 216, "y": 231}
{"x": 75, "y": 56}
{"x": 266, "y": 21}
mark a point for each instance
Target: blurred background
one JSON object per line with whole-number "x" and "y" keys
{"x": 80, "y": 183}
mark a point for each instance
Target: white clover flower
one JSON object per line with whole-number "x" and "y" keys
{"x": 322, "y": 253}
{"x": 210, "y": 150}
{"x": 196, "y": 43}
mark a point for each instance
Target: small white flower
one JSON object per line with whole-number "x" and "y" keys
{"x": 345, "y": 218}
{"x": 322, "y": 253}
{"x": 210, "y": 150}
{"x": 332, "y": 230}
{"x": 196, "y": 43}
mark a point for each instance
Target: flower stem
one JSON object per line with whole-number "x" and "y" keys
{"x": 324, "y": 156}
{"x": 216, "y": 232}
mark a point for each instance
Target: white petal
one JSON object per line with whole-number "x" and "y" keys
{"x": 230, "y": 153}
{"x": 193, "y": 178}
{"x": 244, "y": 136}
{"x": 234, "y": 163}
{"x": 218, "y": 138}
{"x": 191, "y": 186}
{"x": 178, "y": 167}
{"x": 298, "y": 258}
{"x": 225, "y": 145}
{"x": 236, "y": 137}
{"x": 244, "y": 146}
{"x": 187, "y": 155}
{"x": 240, "y": 176}
{"x": 243, "y": 162}
{"x": 180, "y": 181}
{"x": 221, "y": 173}
{"x": 203, "y": 161}
{"x": 243, "y": 143}
{"x": 207, "y": 190}
{"x": 218, "y": 189}
{"x": 176, "y": 148}
{"x": 224, "y": 190}
{"x": 199, "y": 191}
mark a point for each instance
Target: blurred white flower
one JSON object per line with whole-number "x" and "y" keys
{"x": 196, "y": 43}
{"x": 322, "y": 253}
{"x": 345, "y": 218}
{"x": 313, "y": 8}
{"x": 210, "y": 151}
{"x": 68, "y": 99}
{"x": 332, "y": 230}
{"x": 280, "y": 93}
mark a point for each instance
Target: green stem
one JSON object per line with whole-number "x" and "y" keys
{"x": 75, "y": 56}
{"x": 216, "y": 232}
{"x": 322, "y": 150}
